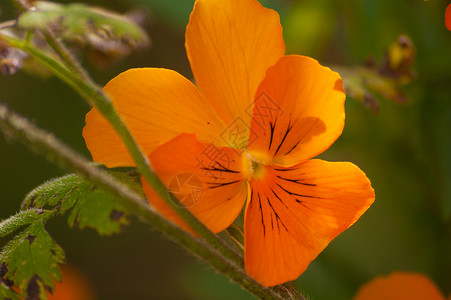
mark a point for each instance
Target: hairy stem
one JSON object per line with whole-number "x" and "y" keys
{"x": 97, "y": 97}
{"x": 19, "y": 128}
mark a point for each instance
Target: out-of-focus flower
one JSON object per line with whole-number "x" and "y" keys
{"x": 448, "y": 17}
{"x": 400, "y": 286}
{"x": 73, "y": 286}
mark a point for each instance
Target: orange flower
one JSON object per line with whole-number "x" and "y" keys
{"x": 247, "y": 132}
{"x": 448, "y": 17}
{"x": 400, "y": 286}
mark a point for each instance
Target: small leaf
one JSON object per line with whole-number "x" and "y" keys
{"x": 98, "y": 210}
{"x": 7, "y": 293}
{"x": 105, "y": 31}
{"x": 23, "y": 218}
{"x": 30, "y": 260}
{"x": 92, "y": 206}
{"x": 60, "y": 192}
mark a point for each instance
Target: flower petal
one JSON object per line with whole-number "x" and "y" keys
{"x": 205, "y": 178}
{"x": 298, "y": 111}
{"x": 156, "y": 105}
{"x": 230, "y": 45}
{"x": 295, "y": 212}
{"x": 400, "y": 285}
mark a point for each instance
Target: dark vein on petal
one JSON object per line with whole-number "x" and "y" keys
{"x": 277, "y": 215}
{"x": 295, "y": 194}
{"x": 296, "y": 181}
{"x": 219, "y": 170}
{"x": 221, "y": 184}
{"x": 272, "y": 127}
{"x": 277, "y": 196}
{"x": 261, "y": 214}
{"x": 284, "y": 137}
{"x": 226, "y": 169}
{"x": 293, "y": 148}
{"x": 285, "y": 170}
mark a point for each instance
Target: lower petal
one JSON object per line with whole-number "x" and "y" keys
{"x": 206, "y": 179}
{"x": 294, "y": 213}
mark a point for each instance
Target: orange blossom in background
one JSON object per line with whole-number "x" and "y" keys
{"x": 400, "y": 286}
{"x": 448, "y": 17}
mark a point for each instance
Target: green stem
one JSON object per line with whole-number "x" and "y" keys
{"x": 45, "y": 143}
{"x": 66, "y": 55}
{"x": 97, "y": 97}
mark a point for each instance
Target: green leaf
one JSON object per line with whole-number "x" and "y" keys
{"x": 23, "y": 218}
{"x": 99, "y": 210}
{"x": 7, "y": 293}
{"x": 92, "y": 206}
{"x": 61, "y": 193}
{"x": 30, "y": 260}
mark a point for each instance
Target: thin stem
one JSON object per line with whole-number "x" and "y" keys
{"x": 97, "y": 97}
{"x": 19, "y": 128}
{"x": 8, "y": 24}
{"x": 66, "y": 55}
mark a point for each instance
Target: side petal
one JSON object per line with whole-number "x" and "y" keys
{"x": 206, "y": 179}
{"x": 399, "y": 285}
{"x": 298, "y": 111}
{"x": 295, "y": 212}
{"x": 230, "y": 45}
{"x": 156, "y": 105}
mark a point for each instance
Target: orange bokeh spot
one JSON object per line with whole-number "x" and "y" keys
{"x": 72, "y": 287}
{"x": 400, "y": 286}
{"x": 448, "y": 17}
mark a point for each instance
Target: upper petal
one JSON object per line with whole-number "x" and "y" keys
{"x": 400, "y": 285}
{"x": 205, "y": 178}
{"x": 230, "y": 45}
{"x": 295, "y": 212}
{"x": 156, "y": 105}
{"x": 298, "y": 111}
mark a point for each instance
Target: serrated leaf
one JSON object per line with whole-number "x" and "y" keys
{"x": 98, "y": 210}
{"x": 60, "y": 192}
{"x": 7, "y": 294}
{"x": 92, "y": 206}
{"x": 23, "y": 218}
{"x": 31, "y": 259}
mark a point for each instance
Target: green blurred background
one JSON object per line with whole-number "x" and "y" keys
{"x": 405, "y": 150}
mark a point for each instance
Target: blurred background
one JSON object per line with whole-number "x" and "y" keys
{"x": 405, "y": 150}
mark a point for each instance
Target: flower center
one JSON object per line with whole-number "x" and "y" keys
{"x": 254, "y": 165}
